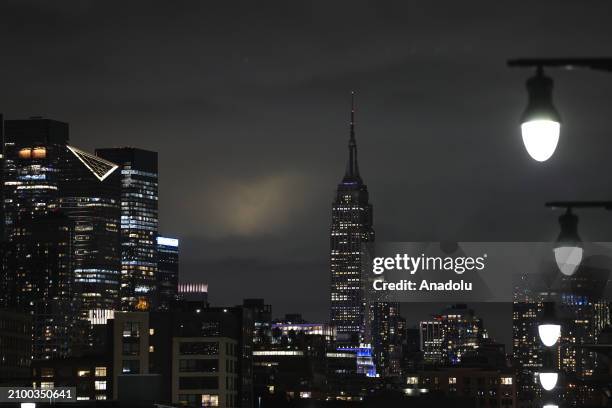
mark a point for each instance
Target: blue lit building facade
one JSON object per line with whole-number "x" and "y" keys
{"x": 365, "y": 359}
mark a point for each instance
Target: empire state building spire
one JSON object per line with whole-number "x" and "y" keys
{"x": 351, "y": 227}
{"x": 352, "y": 167}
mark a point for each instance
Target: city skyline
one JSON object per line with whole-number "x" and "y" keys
{"x": 186, "y": 220}
{"x": 426, "y": 83}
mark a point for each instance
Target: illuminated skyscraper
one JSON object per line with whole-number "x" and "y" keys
{"x": 37, "y": 277}
{"x": 139, "y": 223}
{"x": 451, "y": 335}
{"x": 527, "y": 347}
{"x": 61, "y": 211}
{"x": 43, "y": 282}
{"x": 167, "y": 272}
{"x": 33, "y": 156}
{"x": 351, "y": 226}
{"x": 388, "y": 332}
{"x": 90, "y": 196}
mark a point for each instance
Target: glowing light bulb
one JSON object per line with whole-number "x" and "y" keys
{"x": 540, "y": 123}
{"x": 540, "y": 138}
{"x": 549, "y": 333}
{"x": 548, "y": 380}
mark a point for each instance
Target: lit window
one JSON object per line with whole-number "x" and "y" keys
{"x": 151, "y": 349}
{"x": 46, "y": 384}
{"x": 412, "y": 380}
{"x": 506, "y": 380}
{"x": 452, "y": 380}
{"x": 131, "y": 367}
{"x": 100, "y": 385}
{"x": 46, "y": 372}
{"x": 100, "y": 371}
{"x": 209, "y": 400}
{"x": 151, "y": 332}
{"x": 101, "y": 397}
{"x": 83, "y": 373}
{"x": 131, "y": 329}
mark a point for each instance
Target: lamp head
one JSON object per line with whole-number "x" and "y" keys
{"x": 549, "y": 329}
{"x": 568, "y": 248}
{"x": 540, "y": 123}
{"x": 548, "y": 380}
{"x": 549, "y": 333}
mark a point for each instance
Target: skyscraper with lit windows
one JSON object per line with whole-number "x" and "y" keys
{"x": 451, "y": 335}
{"x": 43, "y": 281}
{"x": 31, "y": 171}
{"x": 351, "y": 226}
{"x": 33, "y": 155}
{"x": 61, "y": 212}
{"x": 90, "y": 196}
{"x": 167, "y": 272}
{"x": 139, "y": 223}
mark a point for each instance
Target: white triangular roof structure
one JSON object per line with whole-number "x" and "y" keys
{"x": 99, "y": 167}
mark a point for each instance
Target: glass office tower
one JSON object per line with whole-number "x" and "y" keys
{"x": 61, "y": 213}
{"x": 167, "y": 272}
{"x": 90, "y": 196}
{"x": 139, "y": 223}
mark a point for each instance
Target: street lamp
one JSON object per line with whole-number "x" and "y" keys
{"x": 548, "y": 379}
{"x": 568, "y": 247}
{"x": 541, "y": 123}
{"x": 549, "y": 375}
{"x": 549, "y": 329}
{"x": 549, "y": 333}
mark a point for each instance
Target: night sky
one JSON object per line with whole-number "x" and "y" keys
{"x": 248, "y": 105}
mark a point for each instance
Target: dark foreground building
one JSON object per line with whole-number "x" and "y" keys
{"x": 193, "y": 356}
{"x": 15, "y": 348}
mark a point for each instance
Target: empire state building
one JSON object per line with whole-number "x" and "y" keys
{"x": 351, "y": 226}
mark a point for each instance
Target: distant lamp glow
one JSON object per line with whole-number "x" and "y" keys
{"x": 568, "y": 248}
{"x": 549, "y": 334}
{"x": 540, "y": 123}
{"x": 549, "y": 328}
{"x": 551, "y": 406}
{"x": 548, "y": 380}
{"x": 568, "y": 259}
